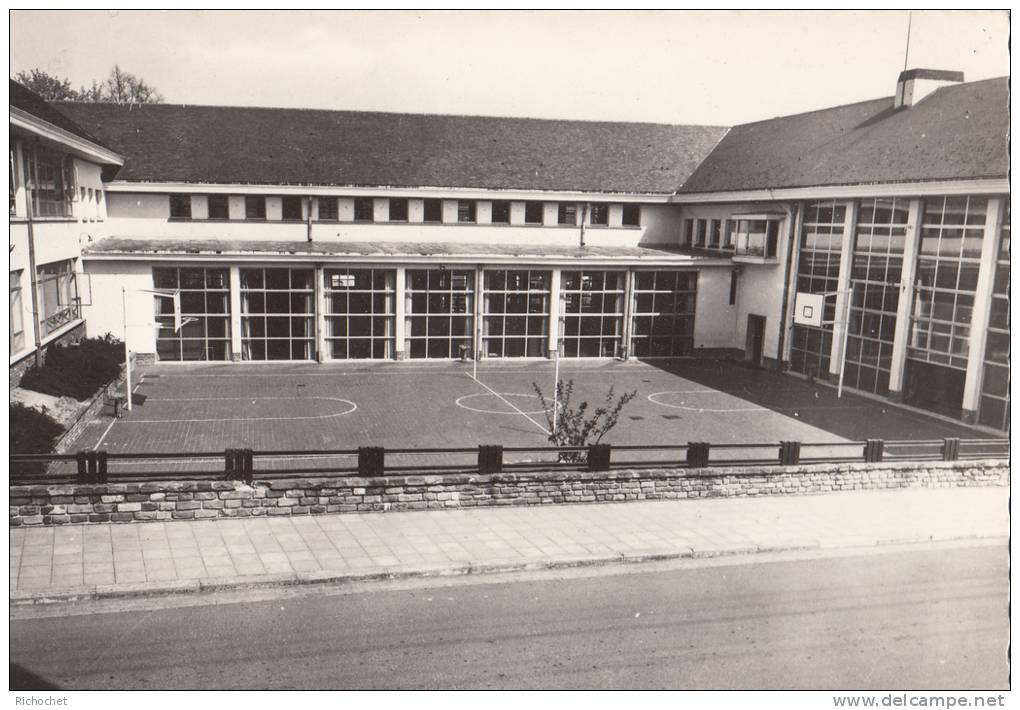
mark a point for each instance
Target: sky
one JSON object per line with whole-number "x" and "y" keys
{"x": 705, "y": 67}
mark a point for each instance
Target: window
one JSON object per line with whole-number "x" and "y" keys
{"x": 729, "y": 234}
{"x": 52, "y": 191}
{"x": 180, "y": 206}
{"x": 758, "y": 235}
{"x": 12, "y": 176}
{"x": 734, "y": 280}
{"x": 567, "y": 213}
{"x": 17, "y": 313}
{"x": 218, "y": 207}
{"x": 398, "y": 209}
{"x": 433, "y": 211}
{"x": 516, "y": 316}
{"x": 876, "y": 272}
{"x": 817, "y": 272}
{"x": 292, "y": 210}
{"x": 501, "y": 212}
{"x": 701, "y": 235}
{"x": 328, "y": 209}
{"x": 364, "y": 209}
{"x": 360, "y": 313}
{"x": 952, "y": 230}
{"x": 599, "y": 213}
{"x": 592, "y": 313}
{"x": 277, "y": 314}
{"x": 466, "y": 211}
{"x": 688, "y": 234}
{"x": 254, "y": 207}
{"x": 663, "y": 320}
{"x": 205, "y": 314}
{"x": 440, "y": 312}
{"x": 632, "y": 215}
{"x": 58, "y": 295}
{"x": 714, "y": 234}
{"x": 534, "y": 213}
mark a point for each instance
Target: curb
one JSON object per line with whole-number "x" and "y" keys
{"x": 240, "y": 582}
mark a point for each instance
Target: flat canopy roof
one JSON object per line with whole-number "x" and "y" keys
{"x": 114, "y": 248}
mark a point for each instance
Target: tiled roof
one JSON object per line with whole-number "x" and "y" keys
{"x": 111, "y": 246}
{"x": 30, "y": 102}
{"x": 958, "y": 132}
{"x": 271, "y": 146}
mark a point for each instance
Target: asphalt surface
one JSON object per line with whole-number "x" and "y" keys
{"x": 931, "y": 618}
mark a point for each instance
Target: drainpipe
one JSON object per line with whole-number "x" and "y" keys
{"x": 584, "y": 218}
{"x": 33, "y": 277}
{"x": 309, "y": 220}
{"x": 792, "y": 216}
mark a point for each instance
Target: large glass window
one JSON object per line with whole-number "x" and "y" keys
{"x": 876, "y": 273}
{"x": 995, "y": 384}
{"x": 664, "y": 306}
{"x": 592, "y": 312}
{"x": 17, "y": 313}
{"x": 58, "y": 295}
{"x": 52, "y": 188}
{"x": 277, "y": 314}
{"x": 360, "y": 313}
{"x": 947, "y": 272}
{"x": 205, "y": 313}
{"x": 440, "y": 312}
{"x": 817, "y": 272}
{"x": 516, "y": 315}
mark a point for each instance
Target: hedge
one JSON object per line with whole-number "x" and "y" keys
{"x": 77, "y": 370}
{"x": 32, "y": 432}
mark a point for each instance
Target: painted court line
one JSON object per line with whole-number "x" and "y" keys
{"x": 510, "y": 404}
{"x": 243, "y": 419}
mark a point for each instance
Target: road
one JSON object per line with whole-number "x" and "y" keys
{"x": 924, "y": 618}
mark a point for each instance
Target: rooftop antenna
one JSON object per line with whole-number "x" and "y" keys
{"x": 906, "y": 54}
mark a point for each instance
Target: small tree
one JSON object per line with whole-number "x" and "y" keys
{"x": 574, "y": 425}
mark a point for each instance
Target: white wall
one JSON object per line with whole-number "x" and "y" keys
{"x": 714, "y": 319}
{"x": 106, "y": 314}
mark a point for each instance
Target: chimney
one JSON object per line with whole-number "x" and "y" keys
{"x": 914, "y": 84}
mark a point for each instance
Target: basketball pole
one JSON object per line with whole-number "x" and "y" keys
{"x": 556, "y": 387}
{"x": 127, "y": 352}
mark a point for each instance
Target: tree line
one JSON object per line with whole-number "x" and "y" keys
{"x": 120, "y": 87}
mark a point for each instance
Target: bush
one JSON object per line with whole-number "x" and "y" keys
{"x": 77, "y": 370}
{"x": 574, "y": 426}
{"x": 32, "y": 432}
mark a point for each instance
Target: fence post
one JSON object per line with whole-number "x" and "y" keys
{"x": 873, "y": 450}
{"x": 101, "y": 457}
{"x": 91, "y": 462}
{"x": 950, "y": 449}
{"x": 247, "y": 465}
{"x": 229, "y": 464}
{"x": 789, "y": 453}
{"x": 599, "y": 456}
{"x": 371, "y": 461}
{"x": 490, "y": 459}
{"x": 82, "y": 467}
{"x": 697, "y": 454}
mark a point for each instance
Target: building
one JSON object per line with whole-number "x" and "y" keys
{"x": 57, "y": 173}
{"x": 331, "y": 235}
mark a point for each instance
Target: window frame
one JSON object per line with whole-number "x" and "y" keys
{"x": 254, "y": 208}
{"x": 287, "y": 203}
{"x": 217, "y": 199}
{"x": 467, "y": 212}
{"x": 363, "y": 206}
{"x": 403, "y": 205}
{"x": 502, "y": 205}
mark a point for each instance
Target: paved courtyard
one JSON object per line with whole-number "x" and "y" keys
{"x": 415, "y": 405}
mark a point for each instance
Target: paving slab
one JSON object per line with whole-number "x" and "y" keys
{"x": 203, "y": 555}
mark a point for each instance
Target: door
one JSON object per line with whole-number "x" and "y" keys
{"x": 754, "y": 353}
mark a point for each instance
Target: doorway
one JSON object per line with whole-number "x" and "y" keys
{"x": 754, "y": 352}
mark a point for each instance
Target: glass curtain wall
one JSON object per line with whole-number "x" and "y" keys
{"x": 592, "y": 312}
{"x": 277, "y": 314}
{"x": 995, "y": 383}
{"x": 663, "y": 318}
{"x": 439, "y": 306}
{"x": 205, "y": 313}
{"x": 515, "y": 319}
{"x": 360, "y": 313}
{"x": 876, "y": 273}
{"x": 818, "y": 272}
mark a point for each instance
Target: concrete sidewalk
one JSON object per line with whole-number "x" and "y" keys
{"x": 87, "y": 561}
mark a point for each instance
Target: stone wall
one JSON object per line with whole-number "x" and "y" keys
{"x": 56, "y": 505}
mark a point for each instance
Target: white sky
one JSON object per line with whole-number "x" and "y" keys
{"x": 723, "y": 67}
